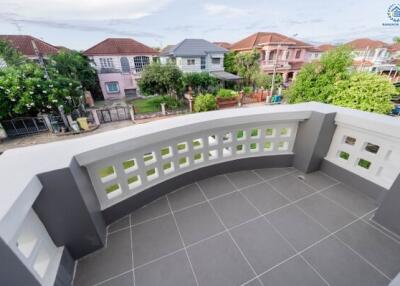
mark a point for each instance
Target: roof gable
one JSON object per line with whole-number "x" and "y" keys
{"x": 193, "y": 47}
{"x": 120, "y": 46}
{"x": 24, "y": 44}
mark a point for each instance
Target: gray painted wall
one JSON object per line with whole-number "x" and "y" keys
{"x": 69, "y": 210}
{"x": 65, "y": 270}
{"x": 313, "y": 139}
{"x": 12, "y": 271}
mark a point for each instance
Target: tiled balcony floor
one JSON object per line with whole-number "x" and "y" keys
{"x": 264, "y": 227}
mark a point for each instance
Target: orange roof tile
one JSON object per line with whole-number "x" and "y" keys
{"x": 360, "y": 44}
{"x": 224, "y": 45}
{"x": 23, "y": 43}
{"x": 120, "y": 46}
{"x": 326, "y": 47}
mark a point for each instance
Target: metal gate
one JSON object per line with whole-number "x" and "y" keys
{"x": 24, "y": 126}
{"x": 113, "y": 114}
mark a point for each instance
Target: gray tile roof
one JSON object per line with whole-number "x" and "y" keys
{"x": 192, "y": 47}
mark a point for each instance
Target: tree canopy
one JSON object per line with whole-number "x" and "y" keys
{"x": 10, "y": 55}
{"x": 247, "y": 64}
{"x": 230, "y": 62}
{"x": 201, "y": 82}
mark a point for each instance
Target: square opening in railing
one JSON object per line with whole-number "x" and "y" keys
{"x": 26, "y": 242}
{"x": 113, "y": 191}
{"x": 107, "y": 174}
{"x": 364, "y": 164}
{"x": 227, "y": 151}
{"x": 152, "y": 174}
{"x": 349, "y": 140}
{"x": 270, "y": 132}
{"x": 268, "y": 146}
{"x": 197, "y": 143}
{"x": 168, "y": 167}
{"x": 227, "y": 138}
{"x": 166, "y": 152}
{"x": 372, "y": 148}
{"x": 283, "y": 146}
{"x": 182, "y": 147}
{"x": 212, "y": 140}
{"x": 343, "y": 155}
{"x": 134, "y": 182}
{"x": 129, "y": 165}
{"x": 285, "y": 132}
{"x": 254, "y": 147}
{"x": 212, "y": 154}
{"x": 240, "y": 135}
{"x": 149, "y": 158}
{"x": 255, "y": 133}
{"x": 198, "y": 158}
{"x": 240, "y": 149}
{"x": 183, "y": 162}
{"x": 41, "y": 263}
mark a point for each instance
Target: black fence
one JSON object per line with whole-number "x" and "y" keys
{"x": 113, "y": 114}
{"x": 24, "y": 126}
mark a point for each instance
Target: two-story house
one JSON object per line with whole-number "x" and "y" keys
{"x": 278, "y": 52}
{"x": 119, "y": 63}
{"x": 371, "y": 55}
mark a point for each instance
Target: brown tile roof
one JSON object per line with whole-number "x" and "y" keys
{"x": 262, "y": 38}
{"x": 23, "y": 43}
{"x": 394, "y": 47}
{"x": 326, "y": 47}
{"x": 120, "y": 46}
{"x": 315, "y": 50}
{"x": 361, "y": 44}
{"x": 224, "y": 45}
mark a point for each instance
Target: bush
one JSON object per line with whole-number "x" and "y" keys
{"x": 247, "y": 90}
{"x": 226, "y": 93}
{"x": 205, "y": 102}
{"x": 200, "y": 82}
{"x": 170, "y": 102}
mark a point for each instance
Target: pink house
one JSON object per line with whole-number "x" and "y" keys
{"x": 278, "y": 51}
{"x": 119, "y": 63}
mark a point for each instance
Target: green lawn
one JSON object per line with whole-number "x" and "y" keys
{"x": 143, "y": 105}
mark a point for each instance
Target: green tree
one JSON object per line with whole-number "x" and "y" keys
{"x": 264, "y": 80}
{"x": 364, "y": 91}
{"x": 10, "y": 55}
{"x": 230, "y": 62}
{"x": 247, "y": 64}
{"x": 24, "y": 90}
{"x": 396, "y": 39}
{"x": 161, "y": 79}
{"x": 76, "y": 66}
{"x": 316, "y": 81}
{"x": 200, "y": 82}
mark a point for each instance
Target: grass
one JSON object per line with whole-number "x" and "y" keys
{"x": 144, "y": 105}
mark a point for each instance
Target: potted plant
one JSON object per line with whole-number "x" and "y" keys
{"x": 226, "y": 98}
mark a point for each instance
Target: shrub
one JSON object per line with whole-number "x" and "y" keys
{"x": 201, "y": 82}
{"x": 205, "y": 102}
{"x": 170, "y": 102}
{"x": 226, "y": 93}
{"x": 247, "y": 90}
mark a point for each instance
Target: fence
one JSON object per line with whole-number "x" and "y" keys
{"x": 24, "y": 126}
{"x": 113, "y": 114}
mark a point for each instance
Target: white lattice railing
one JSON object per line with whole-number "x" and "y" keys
{"x": 126, "y": 174}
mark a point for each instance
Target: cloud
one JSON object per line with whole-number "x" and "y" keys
{"x": 305, "y": 21}
{"x": 224, "y": 10}
{"x": 83, "y": 9}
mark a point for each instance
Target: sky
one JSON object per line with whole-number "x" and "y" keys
{"x": 80, "y": 24}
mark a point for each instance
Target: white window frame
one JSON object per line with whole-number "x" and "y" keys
{"x": 107, "y": 62}
{"x": 191, "y": 62}
{"x": 216, "y": 58}
{"x": 112, "y": 82}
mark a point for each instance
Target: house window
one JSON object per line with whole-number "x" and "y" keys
{"x": 106, "y": 62}
{"x": 216, "y": 61}
{"x": 140, "y": 62}
{"x": 125, "y": 65}
{"x": 112, "y": 87}
{"x": 191, "y": 62}
{"x": 272, "y": 55}
{"x": 203, "y": 63}
{"x": 298, "y": 54}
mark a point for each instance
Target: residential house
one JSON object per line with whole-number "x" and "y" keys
{"x": 278, "y": 52}
{"x": 313, "y": 54}
{"x": 326, "y": 47}
{"x": 372, "y": 55}
{"x": 31, "y": 47}
{"x": 224, "y": 45}
{"x": 119, "y": 63}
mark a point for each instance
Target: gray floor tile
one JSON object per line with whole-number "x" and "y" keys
{"x": 119, "y": 224}
{"x": 295, "y": 272}
{"x": 122, "y": 280}
{"x": 154, "y": 239}
{"x": 152, "y": 210}
{"x": 218, "y": 262}
{"x": 326, "y": 212}
{"x": 351, "y": 199}
{"x": 261, "y": 244}
{"x": 116, "y": 258}
{"x": 373, "y": 245}
{"x": 317, "y": 180}
{"x": 341, "y": 267}
{"x": 264, "y": 197}
{"x": 197, "y": 223}
{"x": 291, "y": 187}
{"x": 216, "y": 186}
{"x": 270, "y": 173}
{"x": 295, "y": 226}
{"x": 254, "y": 282}
{"x": 234, "y": 209}
{"x": 173, "y": 270}
{"x": 186, "y": 196}
{"x": 244, "y": 178}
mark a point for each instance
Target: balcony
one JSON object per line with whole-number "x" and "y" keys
{"x": 269, "y": 64}
{"x": 303, "y": 194}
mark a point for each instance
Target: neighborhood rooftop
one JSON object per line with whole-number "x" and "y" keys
{"x": 120, "y": 46}
{"x": 192, "y": 47}
{"x": 25, "y": 45}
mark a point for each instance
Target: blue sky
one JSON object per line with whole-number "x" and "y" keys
{"x": 79, "y": 24}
